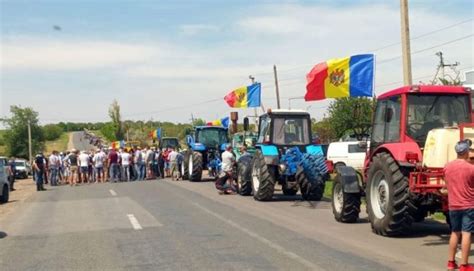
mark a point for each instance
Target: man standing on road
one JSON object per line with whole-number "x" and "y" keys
{"x": 113, "y": 165}
{"x": 39, "y": 166}
{"x": 459, "y": 176}
{"x": 98, "y": 160}
{"x": 54, "y": 168}
{"x": 225, "y": 182}
{"x": 139, "y": 164}
{"x": 84, "y": 166}
{"x": 11, "y": 170}
{"x": 73, "y": 167}
{"x": 173, "y": 158}
{"x": 125, "y": 158}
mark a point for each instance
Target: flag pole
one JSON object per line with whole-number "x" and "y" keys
{"x": 277, "y": 89}
{"x": 252, "y": 78}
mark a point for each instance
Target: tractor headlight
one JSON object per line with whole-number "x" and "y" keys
{"x": 282, "y": 167}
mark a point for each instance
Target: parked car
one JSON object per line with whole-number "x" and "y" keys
{"x": 23, "y": 169}
{"x": 350, "y": 153}
{"x": 4, "y": 184}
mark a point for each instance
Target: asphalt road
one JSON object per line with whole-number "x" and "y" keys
{"x": 165, "y": 225}
{"x": 79, "y": 142}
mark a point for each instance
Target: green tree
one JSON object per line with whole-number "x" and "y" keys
{"x": 114, "y": 114}
{"x": 108, "y": 131}
{"x": 350, "y": 115}
{"x": 52, "y": 131}
{"x": 324, "y": 130}
{"x": 16, "y": 136}
{"x": 199, "y": 122}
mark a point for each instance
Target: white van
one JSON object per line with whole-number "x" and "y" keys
{"x": 4, "y": 185}
{"x": 347, "y": 154}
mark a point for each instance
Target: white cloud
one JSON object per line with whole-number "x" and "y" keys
{"x": 44, "y": 54}
{"x": 195, "y": 29}
{"x": 293, "y": 36}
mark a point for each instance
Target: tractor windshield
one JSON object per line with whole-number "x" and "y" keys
{"x": 427, "y": 112}
{"x": 170, "y": 142}
{"x": 212, "y": 137}
{"x": 291, "y": 130}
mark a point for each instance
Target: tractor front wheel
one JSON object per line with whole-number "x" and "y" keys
{"x": 195, "y": 167}
{"x": 263, "y": 183}
{"x": 310, "y": 190}
{"x": 244, "y": 178}
{"x": 184, "y": 166}
{"x": 390, "y": 208}
{"x": 345, "y": 206}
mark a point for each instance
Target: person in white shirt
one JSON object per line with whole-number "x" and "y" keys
{"x": 125, "y": 158}
{"x": 54, "y": 163}
{"x": 140, "y": 164}
{"x": 228, "y": 161}
{"x": 98, "y": 160}
{"x": 172, "y": 157}
{"x": 84, "y": 166}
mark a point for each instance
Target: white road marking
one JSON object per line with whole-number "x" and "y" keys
{"x": 262, "y": 239}
{"x": 134, "y": 222}
{"x": 113, "y": 192}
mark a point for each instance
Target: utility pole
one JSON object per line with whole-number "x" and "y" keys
{"x": 192, "y": 119}
{"x": 277, "y": 89}
{"x": 252, "y": 79}
{"x": 30, "y": 151}
{"x": 441, "y": 67}
{"x": 406, "y": 53}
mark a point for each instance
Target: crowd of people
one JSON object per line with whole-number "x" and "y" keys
{"x": 106, "y": 165}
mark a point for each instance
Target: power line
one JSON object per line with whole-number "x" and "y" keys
{"x": 426, "y": 49}
{"x": 380, "y": 48}
{"x": 423, "y": 35}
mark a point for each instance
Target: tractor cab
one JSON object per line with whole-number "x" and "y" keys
{"x": 285, "y": 129}
{"x": 407, "y": 115}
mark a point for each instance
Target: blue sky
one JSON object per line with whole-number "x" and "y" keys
{"x": 154, "y": 56}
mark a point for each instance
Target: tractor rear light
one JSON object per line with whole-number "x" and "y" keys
{"x": 412, "y": 157}
{"x": 330, "y": 166}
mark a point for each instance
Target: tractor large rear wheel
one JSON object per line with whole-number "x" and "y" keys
{"x": 195, "y": 167}
{"x": 390, "y": 208}
{"x": 263, "y": 183}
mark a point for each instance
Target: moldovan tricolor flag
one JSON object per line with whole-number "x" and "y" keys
{"x": 244, "y": 96}
{"x": 341, "y": 77}
{"x": 224, "y": 122}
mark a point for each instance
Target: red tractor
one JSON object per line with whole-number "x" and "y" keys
{"x": 414, "y": 131}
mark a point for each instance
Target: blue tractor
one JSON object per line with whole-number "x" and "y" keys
{"x": 284, "y": 155}
{"x": 205, "y": 146}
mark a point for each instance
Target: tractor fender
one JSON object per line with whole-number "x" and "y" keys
{"x": 349, "y": 180}
{"x": 270, "y": 154}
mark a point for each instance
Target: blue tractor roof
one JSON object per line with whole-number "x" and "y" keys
{"x": 210, "y": 127}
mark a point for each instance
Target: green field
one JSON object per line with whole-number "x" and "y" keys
{"x": 59, "y": 144}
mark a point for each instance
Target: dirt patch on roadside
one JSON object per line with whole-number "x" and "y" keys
{"x": 24, "y": 189}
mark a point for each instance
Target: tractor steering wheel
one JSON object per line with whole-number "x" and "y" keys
{"x": 413, "y": 130}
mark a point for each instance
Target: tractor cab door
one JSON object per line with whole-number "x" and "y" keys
{"x": 386, "y": 126}
{"x": 264, "y": 129}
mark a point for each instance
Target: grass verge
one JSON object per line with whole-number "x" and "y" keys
{"x": 59, "y": 144}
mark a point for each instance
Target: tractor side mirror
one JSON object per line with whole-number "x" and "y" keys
{"x": 189, "y": 140}
{"x": 246, "y": 124}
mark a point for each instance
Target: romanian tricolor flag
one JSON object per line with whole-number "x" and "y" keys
{"x": 341, "y": 77}
{"x": 245, "y": 96}
{"x": 219, "y": 122}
